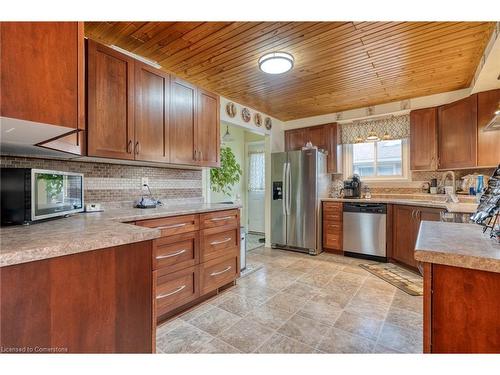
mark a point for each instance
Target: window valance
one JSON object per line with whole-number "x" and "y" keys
{"x": 394, "y": 127}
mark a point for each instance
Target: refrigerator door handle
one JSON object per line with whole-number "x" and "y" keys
{"x": 288, "y": 190}
{"x": 283, "y": 199}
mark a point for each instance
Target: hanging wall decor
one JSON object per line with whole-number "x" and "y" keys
{"x": 245, "y": 115}
{"x": 268, "y": 123}
{"x": 231, "y": 109}
{"x": 257, "y": 119}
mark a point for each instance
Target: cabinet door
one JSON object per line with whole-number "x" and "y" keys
{"x": 110, "y": 103}
{"x": 457, "y": 134}
{"x": 423, "y": 139}
{"x": 183, "y": 123}
{"x": 318, "y": 136}
{"x": 405, "y": 230}
{"x": 152, "y": 99}
{"x": 208, "y": 129}
{"x": 42, "y": 72}
{"x": 295, "y": 139}
{"x": 488, "y": 149}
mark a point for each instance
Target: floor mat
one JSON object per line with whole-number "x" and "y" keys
{"x": 399, "y": 277}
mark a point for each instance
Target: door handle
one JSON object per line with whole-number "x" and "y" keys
{"x": 220, "y": 272}
{"x": 171, "y": 255}
{"x": 129, "y": 147}
{"x": 289, "y": 189}
{"x": 219, "y": 242}
{"x": 171, "y": 293}
{"x": 136, "y": 148}
{"x": 172, "y": 226}
{"x": 283, "y": 198}
{"x": 221, "y": 218}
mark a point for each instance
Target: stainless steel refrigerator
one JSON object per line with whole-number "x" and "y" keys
{"x": 299, "y": 181}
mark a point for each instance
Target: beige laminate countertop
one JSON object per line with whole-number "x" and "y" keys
{"x": 450, "y": 207}
{"x": 87, "y": 231}
{"x": 457, "y": 244}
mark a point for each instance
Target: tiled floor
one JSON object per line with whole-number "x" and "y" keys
{"x": 300, "y": 304}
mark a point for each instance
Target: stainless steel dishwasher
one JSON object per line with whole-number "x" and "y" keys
{"x": 364, "y": 228}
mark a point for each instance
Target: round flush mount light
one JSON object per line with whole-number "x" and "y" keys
{"x": 276, "y": 62}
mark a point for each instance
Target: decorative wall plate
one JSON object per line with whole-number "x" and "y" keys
{"x": 231, "y": 109}
{"x": 268, "y": 123}
{"x": 245, "y": 114}
{"x": 257, "y": 119}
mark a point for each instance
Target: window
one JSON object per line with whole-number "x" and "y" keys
{"x": 382, "y": 160}
{"x": 256, "y": 171}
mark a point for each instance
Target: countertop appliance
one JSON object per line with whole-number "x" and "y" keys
{"x": 352, "y": 187}
{"x": 299, "y": 180}
{"x": 364, "y": 230}
{"x": 29, "y": 195}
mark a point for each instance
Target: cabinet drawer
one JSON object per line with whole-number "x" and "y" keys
{"x": 175, "y": 289}
{"x": 218, "y": 272}
{"x": 332, "y": 216}
{"x": 173, "y": 225}
{"x": 332, "y": 235}
{"x": 176, "y": 252}
{"x": 220, "y": 218}
{"x": 332, "y": 207}
{"x": 217, "y": 242}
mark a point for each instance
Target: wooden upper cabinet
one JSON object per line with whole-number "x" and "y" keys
{"x": 295, "y": 139}
{"x": 110, "y": 103}
{"x": 152, "y": 100}
{"x": 488, "y": 143}
{"x": 42, "y": 72}
{"x": 423, "y": 139}
{"x": 208, "y": 129}
{"x": 457, "y": 134}
{"x": 326, "y": 137}
{"x": 183, "y": 123}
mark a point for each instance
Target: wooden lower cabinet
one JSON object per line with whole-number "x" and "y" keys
{"x": 175, "y": 289}
{"x": 196, "y": 255}
{"x": 93, "y": 302}
{"x": 218, "y": 272}
{"x": 405, "y": 225}
{"x": 461, "y": 310}
{"x": 332, "y": 226}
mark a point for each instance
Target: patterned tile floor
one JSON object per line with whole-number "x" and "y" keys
{"x": 300, "y": 304}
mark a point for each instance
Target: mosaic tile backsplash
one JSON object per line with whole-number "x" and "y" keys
{"x": 117, "y": 185}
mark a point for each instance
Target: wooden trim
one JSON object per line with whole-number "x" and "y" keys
{"x": 427, "y": 308}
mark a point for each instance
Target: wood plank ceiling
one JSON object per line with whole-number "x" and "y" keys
{"x": 338, "y": 65}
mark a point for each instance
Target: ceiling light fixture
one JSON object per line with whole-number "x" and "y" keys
{"x": 227, "y": 137}
{"x": 372, "y": 137}
{"x": 276, "y": 62}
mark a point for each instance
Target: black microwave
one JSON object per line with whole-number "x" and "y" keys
{"x": 29, "y": 195}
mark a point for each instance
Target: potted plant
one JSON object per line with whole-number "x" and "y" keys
{"x": 223, "y": 178}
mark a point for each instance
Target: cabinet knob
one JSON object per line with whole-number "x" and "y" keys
{"x": 136, "y": 148}
{"x": 129, "y": 147}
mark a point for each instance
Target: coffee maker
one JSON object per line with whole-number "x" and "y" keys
{"x": 352, "y": 187}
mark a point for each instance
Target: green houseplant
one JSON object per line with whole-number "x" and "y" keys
{"x": 223, "y": 178}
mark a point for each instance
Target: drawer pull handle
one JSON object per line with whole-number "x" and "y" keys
{"x": 171, "y": 255}
{"x": 172, "y": 226}
{"x": 220, "y": 272}
{"x": 221, "y": 218}
{"x": 171, "y": 293}
{"x": 219, "y": 242}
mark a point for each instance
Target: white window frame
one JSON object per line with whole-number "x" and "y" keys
{"x": 405, "y": 165}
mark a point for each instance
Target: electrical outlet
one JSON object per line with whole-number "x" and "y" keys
{"x": 144, "y": 181}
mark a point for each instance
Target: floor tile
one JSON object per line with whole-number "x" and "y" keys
{"x": 279, "y": 344}
{"x": 338, "y": 341}
{"x": 169, "y": 326}
{"x": 246, "y": 335}
{"x": 371, "y": 309}
{"x": 301, "y": 290}
{"x": 214, "y": 320}
{"x": 334, "y": 298}
{"x": 316, "y": 280}
{"x": 407, "y": 341}
{"x": 287, "y": 302}
{"x": 359, "y": 325}
{"x": 216, "y": 346}
{"x": 405, "y": 318}
{"x": 238, "y": 305}
{"x": 321, "y": 312}
{"x": 198, "y": 310}
{"x": 185, "y": 339}
{"x": 269, "y": 316}
{"x": 305, "y": 330}
{"x": 258, "y": 293}
{"x": 405, "y": 301}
